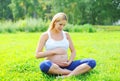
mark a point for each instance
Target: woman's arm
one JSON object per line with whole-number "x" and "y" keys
{"x": 72, "y": 49}
{"x": 39, "y": 50}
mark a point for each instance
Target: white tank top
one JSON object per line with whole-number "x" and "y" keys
{"x": 52, "y": 44}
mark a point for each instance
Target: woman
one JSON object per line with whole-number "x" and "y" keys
{"x": 57, "y": 42}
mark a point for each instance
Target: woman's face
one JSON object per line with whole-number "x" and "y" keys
{"x": 59, "y": 25}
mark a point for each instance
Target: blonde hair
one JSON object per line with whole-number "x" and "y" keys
{"x": 57, "y": 18}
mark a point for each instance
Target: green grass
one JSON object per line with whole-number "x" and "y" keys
{"x": 18, "y": 62}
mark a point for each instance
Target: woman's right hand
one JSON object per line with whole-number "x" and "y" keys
{"x": 59, "y": 51}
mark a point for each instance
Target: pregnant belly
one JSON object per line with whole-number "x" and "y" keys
{"x": 58, "y": 59}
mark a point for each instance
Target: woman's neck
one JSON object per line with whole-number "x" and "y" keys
{"x": 55, "y": 31}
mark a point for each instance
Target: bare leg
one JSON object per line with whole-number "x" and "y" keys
{"x": 55, "y": 69}
{"x": 79, "y": 70}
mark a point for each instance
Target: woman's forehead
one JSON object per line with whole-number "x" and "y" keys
{"x": 63, "y": 21}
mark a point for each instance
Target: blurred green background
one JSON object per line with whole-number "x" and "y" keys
{"x": 35, "y": 15}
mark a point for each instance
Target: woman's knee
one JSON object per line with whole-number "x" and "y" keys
{"x": 92, "y": 63}
{"x": 45, "y": 66}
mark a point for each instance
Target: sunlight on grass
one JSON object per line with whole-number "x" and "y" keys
{"x": 18, "y": 62}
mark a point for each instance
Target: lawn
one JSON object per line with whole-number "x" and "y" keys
{"x": 18, "y": 62}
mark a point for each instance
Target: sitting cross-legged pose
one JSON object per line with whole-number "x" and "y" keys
{"x": 56, "y": 42}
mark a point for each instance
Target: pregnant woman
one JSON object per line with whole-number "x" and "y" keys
{"x": 56, "y": 42}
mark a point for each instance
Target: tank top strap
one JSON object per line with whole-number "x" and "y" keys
{"x": 49, "y": 34}
{"x": 64, "y": 35}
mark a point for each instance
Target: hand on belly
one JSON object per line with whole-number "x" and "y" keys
{"x": 60, "y": 57}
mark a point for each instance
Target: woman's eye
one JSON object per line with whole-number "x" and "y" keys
{"x": 62, "y": 24}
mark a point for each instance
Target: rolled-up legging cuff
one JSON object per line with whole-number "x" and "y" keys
{"x": 45, "y": 66}
{"x": 91, "y": 63}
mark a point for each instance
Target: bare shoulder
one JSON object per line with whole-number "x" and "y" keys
{"x": 44, "y": 36}
{"x": 67, "y": 35}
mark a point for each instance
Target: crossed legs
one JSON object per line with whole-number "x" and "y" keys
{"x": 84, "y": 67}
{"x": 55, "y": 69}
